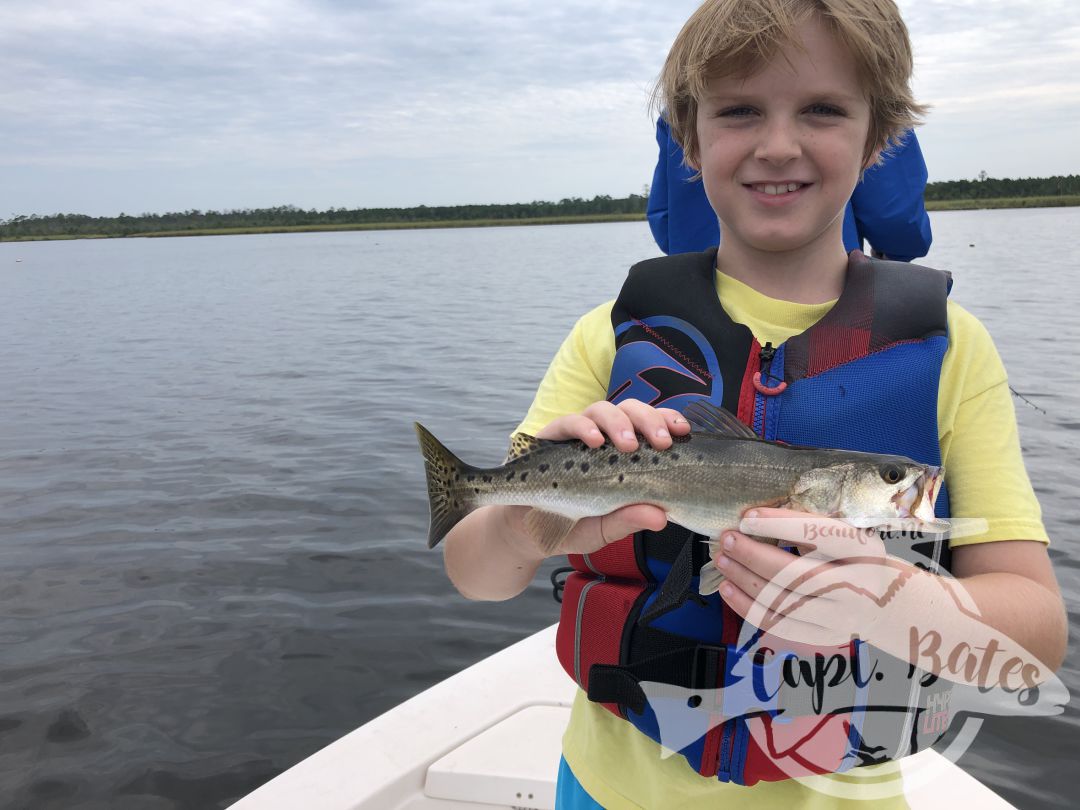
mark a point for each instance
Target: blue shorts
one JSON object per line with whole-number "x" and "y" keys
{"x": 569, "y": 794}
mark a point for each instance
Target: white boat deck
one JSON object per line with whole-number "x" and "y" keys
{"x": 489, "y": 738}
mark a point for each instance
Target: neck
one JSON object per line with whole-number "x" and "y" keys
{"x": 813, "y": 274}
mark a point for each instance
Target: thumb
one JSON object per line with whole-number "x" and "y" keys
{"x": 631, "y": 519}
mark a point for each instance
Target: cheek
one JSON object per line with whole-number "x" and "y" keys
{"x": 866, "y": 500}
{"x": 843, "y": 158}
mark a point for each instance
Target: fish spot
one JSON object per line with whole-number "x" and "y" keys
{"x": 477, "y": 491}
{"x": 621, "y": 478}
{"x": 543, "y": 468}
{"x": 457, "y": 477}
{"x": 634, "y": 459}
{"x": 554, "y": 484}
{"x": 524, "y": 475}
{"x": 510, "y": 477}
{"x": 614, "y": 459}
{"x": 471, "y": 478}
{"x": 700, "y": 456}
{"x": 584, "y": 466}
{"x": 674, "y": 456}
{"x": 568, "y": 465}
{"x": 656, "y": 459}
{"x": 487, "y": 479}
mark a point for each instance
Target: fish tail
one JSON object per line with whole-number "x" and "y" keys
{"x": 449, "y": 498}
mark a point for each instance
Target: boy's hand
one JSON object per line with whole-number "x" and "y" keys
{"x": 621, "y": 424}
{"x": 842, "y": 585}
{"x": 845, "y": 585}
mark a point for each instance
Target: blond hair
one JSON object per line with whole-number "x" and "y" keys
{"x": 725, "y": 38}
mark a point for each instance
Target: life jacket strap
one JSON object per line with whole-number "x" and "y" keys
{"x": 698, "y": 667}
{"x": 679, "y": 585}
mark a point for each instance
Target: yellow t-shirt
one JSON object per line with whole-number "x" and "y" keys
{"x": 980, "y": 448}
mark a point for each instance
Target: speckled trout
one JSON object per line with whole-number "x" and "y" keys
{"x": 704, "y": 481}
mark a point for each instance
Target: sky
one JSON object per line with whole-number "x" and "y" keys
{"x": 111, "y": 106}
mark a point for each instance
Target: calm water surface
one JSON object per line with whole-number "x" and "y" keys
{"x": 212, "y": 510}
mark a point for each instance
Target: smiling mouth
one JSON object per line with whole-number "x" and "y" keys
{"x": 777, "y": 189}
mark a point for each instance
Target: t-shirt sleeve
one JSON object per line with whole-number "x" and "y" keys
{"x": 980, "y": 442}
{"x": 578, "y": 374}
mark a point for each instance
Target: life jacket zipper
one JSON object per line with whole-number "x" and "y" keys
{"x": 726, "y": 744}
{"x": 765, "y": 358}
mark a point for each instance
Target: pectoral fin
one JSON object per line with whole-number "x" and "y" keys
{"x": 709, "y": 578}
{"x": 548, "y": 529}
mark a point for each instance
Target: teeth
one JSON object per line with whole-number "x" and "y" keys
{"x": 769, "y": 188}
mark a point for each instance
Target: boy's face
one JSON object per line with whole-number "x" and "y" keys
{"x": 781, "y": 151}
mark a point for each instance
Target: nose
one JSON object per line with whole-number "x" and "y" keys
{"x": 779, "y": 142}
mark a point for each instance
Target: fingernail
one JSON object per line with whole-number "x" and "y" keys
{"x": 729, "y": 541}
{"x": 627, "y": 434}
{"x": 662, "y": 433}
{"x": 752, "y": 514}
{"x": 725, "y": 590}
{"x": 721, "y": 561}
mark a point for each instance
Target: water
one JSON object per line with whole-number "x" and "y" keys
{"x": 212, "y": 512}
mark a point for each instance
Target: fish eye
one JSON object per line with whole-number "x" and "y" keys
{"x": 891, "y": 474}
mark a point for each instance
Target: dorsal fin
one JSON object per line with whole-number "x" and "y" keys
{"x": 704, "y": 417}
{"x": 521, "y": 444}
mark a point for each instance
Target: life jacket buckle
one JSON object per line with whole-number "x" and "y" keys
{"x": 559, "y": 585}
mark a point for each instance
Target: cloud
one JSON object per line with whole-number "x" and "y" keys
{"x": 554, "y": 94}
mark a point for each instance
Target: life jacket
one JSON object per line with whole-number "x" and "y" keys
{"x": 865, "y": 377}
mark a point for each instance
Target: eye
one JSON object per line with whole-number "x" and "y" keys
{"x": 825, "y": 109}
{"x": 891, "y": 474}
{"x": 735, "y": 112}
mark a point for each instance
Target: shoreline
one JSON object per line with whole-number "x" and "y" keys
{"x": 931, "y": 205}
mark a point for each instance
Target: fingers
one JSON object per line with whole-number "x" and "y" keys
{"x": 754, "y": 564}
{"x": 621, "y": 423}
{"x": 631, "y": 519}
{"x": 786, "y": 626}
{"x": 573, "y": 426}
{"x": 676, "y": 422}
{"x": 770, "y": 588}
{"x": 824, "y": 537}
{"x": 593, "y": 533}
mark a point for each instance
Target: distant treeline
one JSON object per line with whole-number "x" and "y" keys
{"x": 287, "y": 216}
{"x": 571, "y": 209}
{"x": 985, "y": 188}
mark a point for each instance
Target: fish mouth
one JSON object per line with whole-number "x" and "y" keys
{"x": 917, "y": 501}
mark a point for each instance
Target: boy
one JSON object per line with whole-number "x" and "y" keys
{"x": 781, "y": 105}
